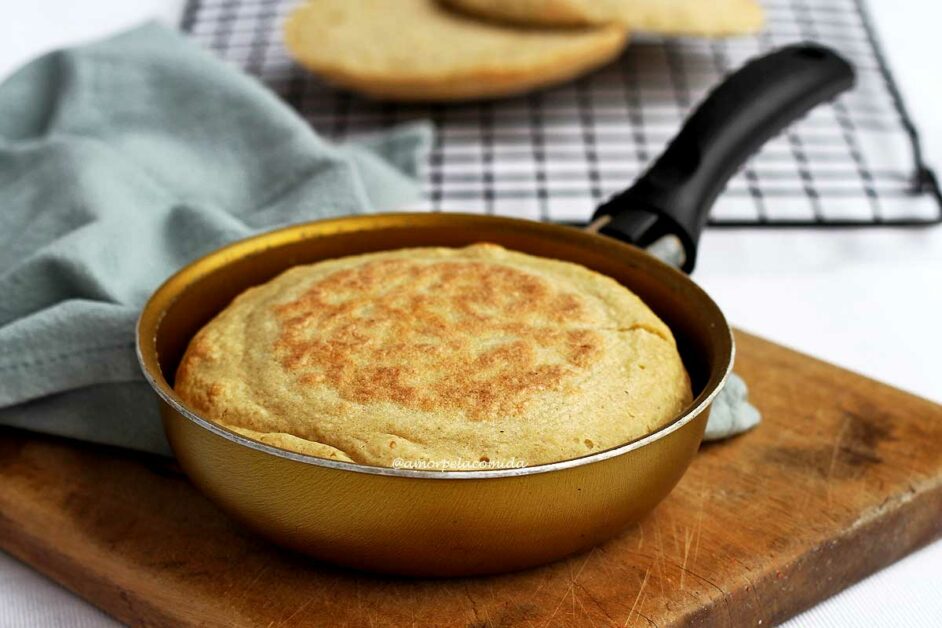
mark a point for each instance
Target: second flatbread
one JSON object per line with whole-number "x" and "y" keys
{"x": 665, "y": 17}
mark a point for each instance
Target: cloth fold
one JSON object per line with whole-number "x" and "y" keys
{"x": 731, "y": 412}
{"x": 120, "y": 162}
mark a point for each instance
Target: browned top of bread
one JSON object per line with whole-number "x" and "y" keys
{"x": 435, "y": 354}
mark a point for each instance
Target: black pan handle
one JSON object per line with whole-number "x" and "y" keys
{"x": 751, "y": 106}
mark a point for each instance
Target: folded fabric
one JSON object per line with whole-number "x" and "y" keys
{"x": 120, "y": 162}
{"x": 731, "y": 413}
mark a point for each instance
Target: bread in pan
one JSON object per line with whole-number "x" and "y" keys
{"x": 439, "y": 358}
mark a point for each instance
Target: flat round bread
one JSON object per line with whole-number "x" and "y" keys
{"x": 437, "y": 358}
{"x": 418, "y": 50}
{"x": 665, "y": 17}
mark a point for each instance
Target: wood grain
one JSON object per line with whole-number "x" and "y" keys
{"x": 842, "y": 478}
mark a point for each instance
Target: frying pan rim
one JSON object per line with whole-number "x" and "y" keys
{"x": 163, "y": 389}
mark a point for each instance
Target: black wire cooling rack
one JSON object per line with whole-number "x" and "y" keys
{"x": 556, "y": 154}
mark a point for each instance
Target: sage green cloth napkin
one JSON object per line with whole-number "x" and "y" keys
{"x": 121, "y": 161}
{"x": 731, "y": 413}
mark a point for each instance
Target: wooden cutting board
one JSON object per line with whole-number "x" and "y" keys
{"x": 843, "y": 477}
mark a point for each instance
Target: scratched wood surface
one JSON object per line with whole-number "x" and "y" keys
{"x": 843, "y": 477}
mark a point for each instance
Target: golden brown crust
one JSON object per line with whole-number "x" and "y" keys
{"x": 432, "y": 324}
{"x": 416, "y": 50}
{"x": 437, "y": 354}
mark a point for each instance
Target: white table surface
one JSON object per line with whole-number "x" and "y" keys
{"x": 867, "y": 300}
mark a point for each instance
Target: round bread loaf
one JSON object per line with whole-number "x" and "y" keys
{"x": 418, "y": 50}
{"x": 437, "y": 358}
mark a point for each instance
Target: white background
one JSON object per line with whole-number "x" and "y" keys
{"x": 867, "y": 300}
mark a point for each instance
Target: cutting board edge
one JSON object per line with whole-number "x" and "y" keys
{"x": 102, "y": 593}
{"x": 917, "y": 521}
{"x": 886, "y": 527}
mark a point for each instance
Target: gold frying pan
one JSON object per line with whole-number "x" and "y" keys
{"x": 449, "y": 523}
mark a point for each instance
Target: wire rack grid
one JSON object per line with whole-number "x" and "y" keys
{"x": 555, "y": 154}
